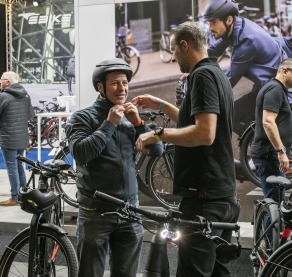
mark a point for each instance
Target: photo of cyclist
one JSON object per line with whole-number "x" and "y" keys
{"x": 256, "y": 55}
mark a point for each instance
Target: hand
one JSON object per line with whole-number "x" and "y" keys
{"x": 116, "y": 114}
{"x": 131, "y": 112}
{"x": 147, "y": 101}
{"x": 284, "y": 162}
{"x": 143, "y": 140}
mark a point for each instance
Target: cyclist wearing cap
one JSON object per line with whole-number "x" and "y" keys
{"x": 102, "y": 139}
{"x": 256, "y": 55}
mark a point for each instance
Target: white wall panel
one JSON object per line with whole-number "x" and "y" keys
{"x": 95, "y": 41}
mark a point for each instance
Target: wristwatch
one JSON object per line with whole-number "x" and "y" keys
{"x": 158, "y": 132}
{"x": 282, "y": 150}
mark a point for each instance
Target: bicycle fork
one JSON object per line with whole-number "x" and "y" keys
{"x": 157, "y": 263}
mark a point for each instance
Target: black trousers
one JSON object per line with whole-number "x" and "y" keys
{"x": 197, "y": 254}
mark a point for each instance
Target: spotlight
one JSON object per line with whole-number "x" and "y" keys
{"x": 35, "y": 3}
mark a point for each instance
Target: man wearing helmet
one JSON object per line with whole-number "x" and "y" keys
{"x": 102, "y": 139}
{"x": 256, "y": 55}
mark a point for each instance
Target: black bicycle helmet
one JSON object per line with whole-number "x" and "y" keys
{"x": 220, "y": 9}
{"x": 34, "y": 201}
{"x": 108, "y": 66}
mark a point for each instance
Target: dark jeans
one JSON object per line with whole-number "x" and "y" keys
{"x": 266, "y": 168}
{"x": 95, "y": 233}
{"x": 15, "y": 170}
{"x": 197, "y": 254}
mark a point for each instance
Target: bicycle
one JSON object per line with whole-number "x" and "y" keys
{"x": 168, "y": 232}
{"x": 272, "y": 225}
{"x": 128, "y": 53}
{"x": 49, "y": 131}
{"x": 43, "y": 248}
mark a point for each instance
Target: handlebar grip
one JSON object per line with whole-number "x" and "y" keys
{"x": 109, "y": 198}
{"x": 26, "y": 160}
{"x": 225, "y": 226}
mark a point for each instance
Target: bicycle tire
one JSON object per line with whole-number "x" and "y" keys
{"x": 15, "y": 257}
{"x": 52, "y": 136}
{"x": 265, "y": 244}
{"x": 280, "y": 263}
{"x": 131, "y": 55}
{"x": 159, "y": 177}
{"x": 246, "y": 163}
{"x": 164, "y": 51}
{"x": 67, "y": 188}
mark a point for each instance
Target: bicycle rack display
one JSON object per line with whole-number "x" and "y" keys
{"x": 59, "y": 115}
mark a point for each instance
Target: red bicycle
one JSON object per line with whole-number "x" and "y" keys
{"x": 49, "y": 131}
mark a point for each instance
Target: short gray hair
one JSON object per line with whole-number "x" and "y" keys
{"x": 11, "y": 76}
{"x": 287, "y": 63}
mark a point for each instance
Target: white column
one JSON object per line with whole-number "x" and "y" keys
{"x": 95, "y": 41}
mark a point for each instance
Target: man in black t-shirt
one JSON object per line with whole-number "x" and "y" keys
{"x": 204, "y": 171}
{"x": 273, "y": 131}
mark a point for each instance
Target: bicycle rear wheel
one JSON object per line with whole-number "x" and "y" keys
{"x": 266, "y": 239}
{"x": 280, "y": 263}
{"x": 159, "y": 177}
{"x": 58, "y": 260}
{"x": 246, "y": 163}
{"x": 67, "y": 186}
{"x": 132, "y": 57}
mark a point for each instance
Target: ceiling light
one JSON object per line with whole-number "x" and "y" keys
{"x": 35, "y": 3}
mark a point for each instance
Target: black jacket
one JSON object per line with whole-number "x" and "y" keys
{"x": 15, "y": 111}
{"x": 104, "y": 154}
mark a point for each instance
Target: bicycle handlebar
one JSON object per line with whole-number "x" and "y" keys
{"x": 168, "y": 217}
{"x": 37, "y": 165}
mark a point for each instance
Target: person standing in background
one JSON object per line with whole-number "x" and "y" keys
{"x": 273, "y": 129}
{"x": 15, "y": 112}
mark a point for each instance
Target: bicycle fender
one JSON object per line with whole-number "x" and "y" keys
{"x": 272, "y": 205}
{"x": 56, "y": 228}
{"x": 249, "y": 129}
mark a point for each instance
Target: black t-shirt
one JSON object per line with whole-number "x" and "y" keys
{"x": 274, "y": 97}
{"x": 207, "y": 168}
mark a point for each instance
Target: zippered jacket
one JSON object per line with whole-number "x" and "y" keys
{"x": 15, "y": 112}
{"x": 104, "y": 154}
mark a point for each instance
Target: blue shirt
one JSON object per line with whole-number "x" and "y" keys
{"x": 256, "y": 55}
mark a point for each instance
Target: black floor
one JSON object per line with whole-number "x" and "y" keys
{"x": 241, "y": 267}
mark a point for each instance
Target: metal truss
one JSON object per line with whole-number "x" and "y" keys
{"x": 18, "y": 39}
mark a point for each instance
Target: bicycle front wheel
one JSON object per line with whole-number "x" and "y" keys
{"x": 55, "y": 255}
{"x": 67, "y": 186}
{"x": 280, "y": 263}
{"x": 159, "y": 177}
{"x": 132, "y": 57}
